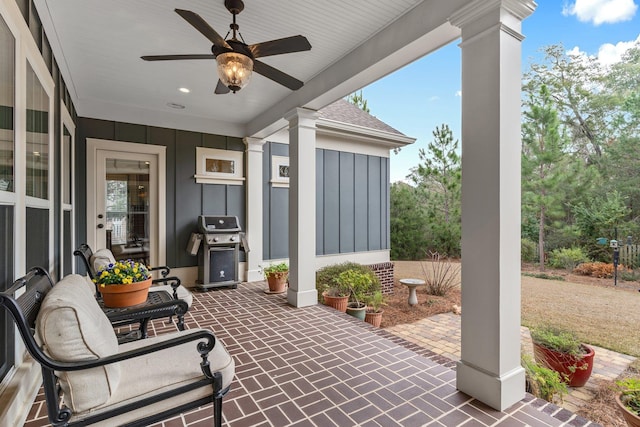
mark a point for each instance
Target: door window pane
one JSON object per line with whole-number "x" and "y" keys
{"x": 37, "y": 137}
{"x": 127, "y": 205}
{"x": 7, "y": 99}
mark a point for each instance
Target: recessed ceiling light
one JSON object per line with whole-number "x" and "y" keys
{"x": 184, "y": 90}
{"x": 175, "y": 105}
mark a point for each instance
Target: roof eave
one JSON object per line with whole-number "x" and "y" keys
{"x": 362, "y": 133}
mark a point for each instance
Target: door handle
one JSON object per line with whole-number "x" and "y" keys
{"x": 100, "y": 225}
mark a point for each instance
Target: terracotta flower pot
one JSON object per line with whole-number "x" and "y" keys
{"x": 575, "y": 371}
{"x": 375, "y": 318}
{"x": 632, "y": 419}
{"x": 116, "y": 296}
{"x": 339, "y": 303}
{"x": 277, "y": 282}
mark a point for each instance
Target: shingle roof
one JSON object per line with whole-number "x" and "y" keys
{"x": 345, "y": 112}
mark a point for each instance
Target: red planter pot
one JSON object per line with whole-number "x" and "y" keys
{"x": 575, "y": 371}
{"x": 339, "y": 303}
{"x": 277, "y": 282}
{"x": 374, "y": 318}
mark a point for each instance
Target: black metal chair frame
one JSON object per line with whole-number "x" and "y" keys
{"x": 24, "y": 311}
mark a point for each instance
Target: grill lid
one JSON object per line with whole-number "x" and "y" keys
{"x": 218, "y": 224}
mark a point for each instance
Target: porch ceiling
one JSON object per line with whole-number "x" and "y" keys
{"x": 98, "y": 46}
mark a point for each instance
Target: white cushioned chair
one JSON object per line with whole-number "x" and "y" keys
{"x": 137, "y": 383}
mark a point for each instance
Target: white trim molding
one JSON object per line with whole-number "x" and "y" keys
{"x": 208, "y": 161}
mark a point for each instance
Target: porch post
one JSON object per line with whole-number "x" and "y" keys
{"x": 302, "y": 207}
{"x": 254, "y": 207}
{"x": 489, "y": 369}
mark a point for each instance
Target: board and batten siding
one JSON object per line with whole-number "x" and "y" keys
{"x": 352, "y": 203}
{"x": 185, "y": 198}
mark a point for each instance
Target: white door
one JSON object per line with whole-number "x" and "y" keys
{"x": 125, "y": 199}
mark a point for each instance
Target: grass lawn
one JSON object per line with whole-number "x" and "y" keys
{"x": 604, "y": 316}
{"x": 599, "y": 313}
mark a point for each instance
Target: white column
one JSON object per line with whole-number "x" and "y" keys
{"x": 302, "y": 207}
{"x": 489, "y": 369}
{"x": 253, "y": 228}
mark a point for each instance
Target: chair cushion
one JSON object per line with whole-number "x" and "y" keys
{"x": 100, "y": 259}
{"x": 161, "y": 371}
{"x": 72, "y": 327}
{"x": 183, "y": 293}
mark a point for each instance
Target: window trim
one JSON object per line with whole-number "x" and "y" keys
{"x": 203, "y": 177}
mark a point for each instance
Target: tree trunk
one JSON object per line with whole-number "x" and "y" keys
{"x": 541, "y": 239}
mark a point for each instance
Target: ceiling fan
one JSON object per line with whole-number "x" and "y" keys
{"x": 236, "y": 59}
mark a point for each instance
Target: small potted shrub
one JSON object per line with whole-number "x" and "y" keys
{"x": 358, "y": 283}
{"x": 374, "y": 302}
{"x": 124, "y": 283}
{"x": 629, "y": 400}
{"x": 276, "y": 275}
{"x": 564, "y": 353}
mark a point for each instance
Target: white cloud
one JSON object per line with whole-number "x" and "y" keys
{"x": 610, "y": 54}
{"x": 607, "y": 53}
{"x": 434, "y": 98}
{"x": 601, "y": 11}
{"x": 458, "y": 93}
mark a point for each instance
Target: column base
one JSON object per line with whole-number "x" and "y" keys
{"x": 302, "y": 299}
{"x": 254, "y": 275}
{"x": 498, "y": 392}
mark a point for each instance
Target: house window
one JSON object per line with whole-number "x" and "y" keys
{"x": 7, "y": 100}
{"x": 215, "y": 166}
{"x": 7, "y": 164}
{"x": 37, "y": 137}
{"x": 279, "y": 171}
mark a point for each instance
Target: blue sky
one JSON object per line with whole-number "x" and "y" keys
{"x": 600, "y": 28}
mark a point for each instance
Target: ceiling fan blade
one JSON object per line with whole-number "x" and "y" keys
{"x": 276, "y": 75}
{"x": 201, "y": 25}
{"x": 176, "y": 57}
{"x": 221, "y": 89}
{"x": 280, "y": 46}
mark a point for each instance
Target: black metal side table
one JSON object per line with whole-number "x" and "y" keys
{"x": 159, "y": 304}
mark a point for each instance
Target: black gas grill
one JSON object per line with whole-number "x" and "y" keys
{"x": 219, "y": 257}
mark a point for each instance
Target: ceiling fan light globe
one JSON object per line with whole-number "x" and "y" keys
{"x": 234, "y": 70}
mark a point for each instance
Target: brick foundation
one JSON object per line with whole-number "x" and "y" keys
{"x": 384, "y": 271}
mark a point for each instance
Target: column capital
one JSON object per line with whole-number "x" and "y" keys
{"x": 302, "y": 117}
{"x": 479, "y": 9}
{"x": 254, "y": 144}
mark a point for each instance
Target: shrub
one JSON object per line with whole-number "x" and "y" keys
{"x": 541, "y": 381}
{"x": 528, "y": 250}
{"x": 326, "y": 277}
{"x": 630, "y": 393}
{"x": 556, "y": 340}
{"x": 567, "y": 258}
{"x": 545, "y": 276}
{"x": 629, "y": 275}
{"x": 440, "y": 276}
{"x": 595, "y": 269}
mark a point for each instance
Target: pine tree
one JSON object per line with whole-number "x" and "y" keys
{"x": 544, "y": 161}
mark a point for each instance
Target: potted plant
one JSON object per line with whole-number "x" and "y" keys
{"x": 276, "y": 275}
{"x": 374, "y": 302}
{"x": 358, "y": 283}
{"x": 564, "y": 353}
{"x": 629, "y": 400}
{"x": 123, "y": 283}
{"x": 334, "y": 294}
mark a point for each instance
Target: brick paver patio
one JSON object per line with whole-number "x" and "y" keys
{"x": 317, "y": 367}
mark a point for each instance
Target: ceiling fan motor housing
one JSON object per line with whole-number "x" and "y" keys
{"x": 234, "y": 6}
